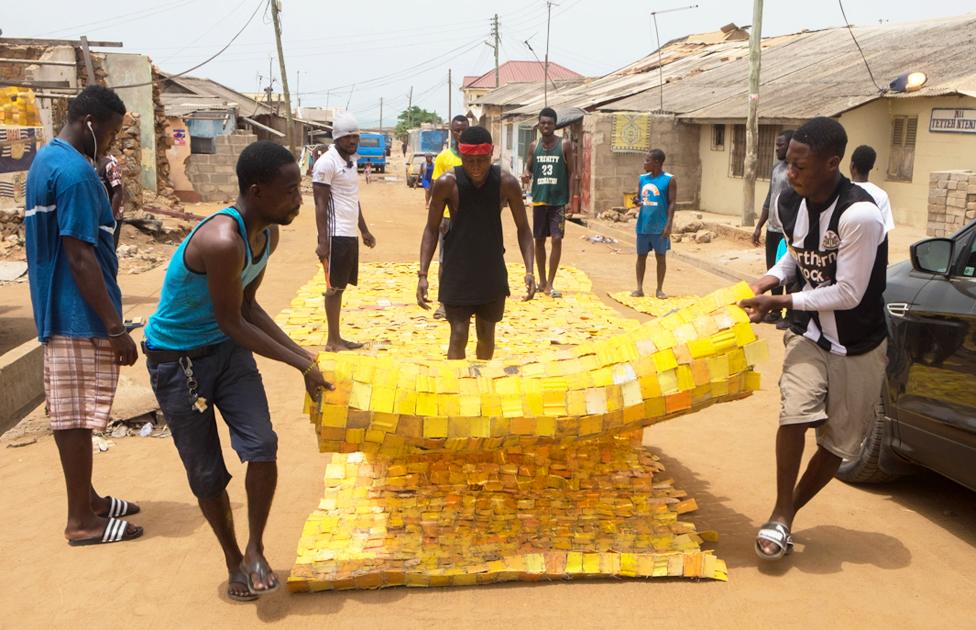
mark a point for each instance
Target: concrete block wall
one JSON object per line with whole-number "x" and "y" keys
{"x": 214, "y": 176}
{"x": 613, "y": 174}
{"x": 952, "y": 201}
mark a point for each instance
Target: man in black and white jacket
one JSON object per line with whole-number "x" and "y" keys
{"x": 835, "y": 355}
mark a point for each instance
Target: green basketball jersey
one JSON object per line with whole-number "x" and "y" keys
{"x": 550, "y": 180}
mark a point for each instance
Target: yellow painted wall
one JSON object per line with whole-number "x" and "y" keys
{"x": 933, "y": 152}
{"x": 869, "y": 124}
{"x": 720, "y": 192}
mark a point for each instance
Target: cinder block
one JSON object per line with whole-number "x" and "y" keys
{"x": 959, "y": 175}
{"x": 21, "y": 382}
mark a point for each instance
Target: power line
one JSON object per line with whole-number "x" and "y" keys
{"x": 393, "y": 76}
{"x": 119, "y": 19}
{"x": 850, "y": 30}
{"x": 206, "y": 61}
{"x": 201, "y": 35}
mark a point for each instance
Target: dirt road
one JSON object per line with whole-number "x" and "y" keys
{"x": 897, "y": 556}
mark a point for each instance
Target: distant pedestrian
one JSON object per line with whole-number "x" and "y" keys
{"x": 835, "y": 355}
{"x": 446, "y": 161}
{"x": 339, "y": 220}
{"x": 657, "y": 192}
{"x": 110, "y": 173}
{"x": 77, "y": 302}
{"x": 368, "y": 171}
{"x": 778, "y": 183}
{"x": 862, "y": 161}
{"x": 548, "y": 166}
{"x": 403, "y": 148}
{"x": 427, "y": 176}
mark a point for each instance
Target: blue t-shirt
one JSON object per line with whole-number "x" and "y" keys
{"x": 66, "y": 198}
{"x": 653, "y": 216}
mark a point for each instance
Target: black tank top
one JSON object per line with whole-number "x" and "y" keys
{"x": 474, "y": 248}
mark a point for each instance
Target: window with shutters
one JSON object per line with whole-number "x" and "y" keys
{"x": 766, "y": 150}
{"x": 901, "y": 160}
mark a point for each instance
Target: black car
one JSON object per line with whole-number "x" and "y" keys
{"x": 927, "y": 413}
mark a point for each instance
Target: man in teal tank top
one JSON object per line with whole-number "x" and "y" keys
{"x": 548, "y": 166}
{"x": 199, "y": 347}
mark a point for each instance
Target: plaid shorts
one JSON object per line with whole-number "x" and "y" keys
{"x": 80, "y": 377}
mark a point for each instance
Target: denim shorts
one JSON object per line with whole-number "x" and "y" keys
{"x": 229, "y": 380}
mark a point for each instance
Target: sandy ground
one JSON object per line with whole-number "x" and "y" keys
{"x": 899, "y": 555}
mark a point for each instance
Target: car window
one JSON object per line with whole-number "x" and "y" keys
{"x": 967, "y": 267}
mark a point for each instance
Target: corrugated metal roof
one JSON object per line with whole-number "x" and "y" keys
{"x": 803, "y": 75}
{"x": 521, "y": 72}
{"x": 521, "y": 93}
{"x": 208, "y": 87}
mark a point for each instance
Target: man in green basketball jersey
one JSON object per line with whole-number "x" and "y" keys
{"x": 548, "y": 167}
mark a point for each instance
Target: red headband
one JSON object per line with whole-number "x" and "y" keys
{"x": 475, "y": 149}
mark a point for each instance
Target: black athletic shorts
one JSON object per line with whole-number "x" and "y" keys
{"x": 548, "y": 221}
{"x": 490, "y": 312}
{"x": 343, "y": 263}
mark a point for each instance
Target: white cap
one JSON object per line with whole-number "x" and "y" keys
{"x": 344, "y": 125}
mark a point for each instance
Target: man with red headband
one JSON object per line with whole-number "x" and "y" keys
{"x": 474, "y": 279}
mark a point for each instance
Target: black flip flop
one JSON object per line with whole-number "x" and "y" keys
{"x": 116, "y": 530}
{"x": 263, "y": 571}
{"x": 120, "y": 507}
{"x": 250, "y": 596}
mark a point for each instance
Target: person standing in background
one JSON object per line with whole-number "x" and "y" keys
{"x": 778, "y": 183}
{"x": 862, "y": 161}
{"x": 73, "y": 270}
{"x": 548, "y": 168}
{"x": 110, "y": 173}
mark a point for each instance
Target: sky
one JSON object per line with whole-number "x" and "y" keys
{"x": 355, "y": 53}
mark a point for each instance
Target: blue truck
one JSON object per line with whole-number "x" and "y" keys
{"x": 372, "y": 150}
{"x": 427, "y": 140}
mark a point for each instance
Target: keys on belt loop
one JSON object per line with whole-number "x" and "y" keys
{"x": 199, "y": 402}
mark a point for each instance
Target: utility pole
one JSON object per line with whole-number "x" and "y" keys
{"x": 545, "y": 81}
{"x": 270, "y": 87}
{"x": 275, "y": 10}
{"x": 410, "y": 109}
{"x": 497, "y": 35}
{"x": 381, "y": 113}
{"x": 752, "y": 120}
{"x": 298, "y": 87}
{"x": 449, "y": 112}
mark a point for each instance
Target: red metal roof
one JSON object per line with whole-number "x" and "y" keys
{"x": 520, "y": 72}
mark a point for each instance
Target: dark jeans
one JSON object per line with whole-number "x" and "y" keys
{"x": 228, "y": 380}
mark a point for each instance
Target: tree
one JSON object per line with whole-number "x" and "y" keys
{"x": 412, "y": 117}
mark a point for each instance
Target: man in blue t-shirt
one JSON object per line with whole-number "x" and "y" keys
{"x": 657, "y": 190}
{"x": 72, "y": 269}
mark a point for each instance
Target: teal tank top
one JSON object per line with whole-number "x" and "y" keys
{"x": 185, "y": 316}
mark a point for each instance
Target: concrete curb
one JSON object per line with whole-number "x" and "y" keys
{"x": 21, "y": 382}
{"x": 705, "y": 265}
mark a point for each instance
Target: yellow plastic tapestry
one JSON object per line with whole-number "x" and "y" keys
{"x": 525, "y": 467}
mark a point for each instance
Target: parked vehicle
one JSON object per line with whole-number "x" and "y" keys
{"x": 927, "y": 413}
{"x": 413, "y": 172}
{"x": 424, "y": 140}
{"x": 372, "y": 150}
